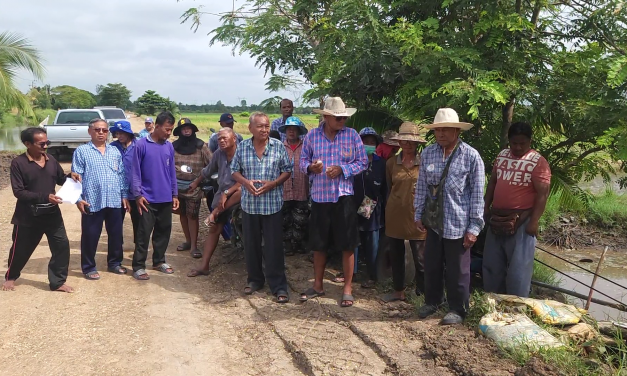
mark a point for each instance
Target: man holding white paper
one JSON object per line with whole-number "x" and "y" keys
{"x": 105, "y": 191}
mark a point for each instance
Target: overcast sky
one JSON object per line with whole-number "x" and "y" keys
{"x": 139, "y": 43}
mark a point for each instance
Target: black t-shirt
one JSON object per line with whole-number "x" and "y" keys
{"x": 373, "y": 184}
{"x": 32, "y": 184}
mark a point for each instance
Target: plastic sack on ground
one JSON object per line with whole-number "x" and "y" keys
{"x": 549, "y": 311}
{"x": 515, "y": 330}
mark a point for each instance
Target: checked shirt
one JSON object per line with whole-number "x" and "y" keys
{"x": 104, "y": 181}
{"x": 346, "y": 151}
{"x": 463, "y": 189}
{"x": 274, "y": 162}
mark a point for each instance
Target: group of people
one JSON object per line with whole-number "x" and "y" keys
{"x": 329, "y": 190}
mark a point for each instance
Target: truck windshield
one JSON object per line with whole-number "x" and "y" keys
{"x": 113, "y": 114}
{"x": 76, "y": 117}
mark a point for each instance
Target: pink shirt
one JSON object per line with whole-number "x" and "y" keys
{"x": 515, "y": 177}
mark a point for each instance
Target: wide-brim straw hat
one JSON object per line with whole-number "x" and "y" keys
{"x": 335, "y": 106}
{"x": 448, "y": 118}
{"x": 388, "y": 137}
{"x": 409, "y": 132}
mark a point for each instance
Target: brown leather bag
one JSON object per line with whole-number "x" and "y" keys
{"x": 507, "y": 222}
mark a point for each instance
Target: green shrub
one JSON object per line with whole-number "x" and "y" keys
{"x": 244, "y": 114}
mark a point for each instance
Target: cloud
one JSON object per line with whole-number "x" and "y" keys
{"x": 138, "y": 43}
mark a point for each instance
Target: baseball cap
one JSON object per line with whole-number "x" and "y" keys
{"x": 227, "y": 118}
{"x": 148, "y": 120}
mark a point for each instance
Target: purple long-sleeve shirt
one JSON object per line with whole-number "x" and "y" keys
{"x": 345, "y": 150}
{"x": 153, "y": 173}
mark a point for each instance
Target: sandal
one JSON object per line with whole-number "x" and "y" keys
{"x": 338, "y": 278}
{"x": 184, "y": 247}
{"x": 251, "y": 288}
{"x": 196, "y": 253}
{"x": 310, "y": 293}
{"x": 347, "y": 301}
{"x": 197, "y": 273}
{"x": 92, "y": 276}
{"x": 164, "y": 268}
{"x": 141, "y": 275}
{"x": 119, "y": 269}
{"x": 282, "y": 297}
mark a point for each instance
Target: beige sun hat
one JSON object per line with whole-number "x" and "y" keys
{"x": 335, "y": 106}
{"x": 409, "y": 132}
{"x": 388, "y": 137}
{"x": 448, "y": 118}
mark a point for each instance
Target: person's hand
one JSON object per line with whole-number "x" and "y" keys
{"x": 420, "y": 226}
{"x": 222, "y": 202}
{"x": 54, "y": 199}
{"x": 193, "y": 186}
{"x": 142, "y": 204}
{"x": 175, "y": 203}
{"x": 532, "y": 228}
{"x": 81, "y": 205}
{"x": 333, "y": 172}
{"x": 126, "y": 205}
{"x": 266, "y": 187}
{"x": 469, "y": 240}
{"x": 76, "y": 177}
{"x": 250, "y": 187}
{"x": 315, "y": 168}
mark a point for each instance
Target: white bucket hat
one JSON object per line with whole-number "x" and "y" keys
{"x": 448, "y": 118}
{"x": 335, "y": 106}
{"x": 409, "y": 132}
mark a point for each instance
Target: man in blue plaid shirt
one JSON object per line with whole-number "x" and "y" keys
{"x": 261, "y": 165}
{"x": 462, "y": 194}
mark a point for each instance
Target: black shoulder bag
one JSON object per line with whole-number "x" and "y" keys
{"x": 433, "y": 214}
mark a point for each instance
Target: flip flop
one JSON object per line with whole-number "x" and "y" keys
{"x": 251, "y": 288}
{"x": 347, "y": 298}
{"x": 92, "y": 276}
{"x": 196, "y": 253}
{"x": 310, "y": 293}
{"x": 338, "y": 278}
{"x": 184, "y": 247}
{"x": 197, "y": 273}
{"x": 119, "y": 269}
{"x": 390, "y": 297}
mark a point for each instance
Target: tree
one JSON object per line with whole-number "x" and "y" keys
{"x": 243, "y": 103}
{"x": 66, "y": 96}
{"x": 17, "y": 53}
{"x": 150, "y": 103}
{"x": 113, "y": 95}
{"x": 271, "y": 104}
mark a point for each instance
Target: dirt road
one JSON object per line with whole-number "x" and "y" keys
{"x": 174, "y": 325}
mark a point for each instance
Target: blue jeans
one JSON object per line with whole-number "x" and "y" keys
{"x": 370, "y": 248}
{"x": 508, "y": 262}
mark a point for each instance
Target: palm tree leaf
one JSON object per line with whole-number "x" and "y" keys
{"x": 18, "y": 52}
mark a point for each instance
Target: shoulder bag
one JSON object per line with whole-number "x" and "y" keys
{"x": 433, "y": 214}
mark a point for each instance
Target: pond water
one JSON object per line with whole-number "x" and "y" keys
{"x": 614, "y": 268}
{"x": 10, "y": 139}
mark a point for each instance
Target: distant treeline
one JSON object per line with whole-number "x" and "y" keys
{"x": 221, "y": 108}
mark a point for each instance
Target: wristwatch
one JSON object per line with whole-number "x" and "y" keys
{"x": 226, "y": 192}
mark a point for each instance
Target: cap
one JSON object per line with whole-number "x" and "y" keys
{"x": 148, "y": 120}
{"x": 227, "y": 118}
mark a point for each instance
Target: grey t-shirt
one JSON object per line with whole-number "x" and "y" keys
{"x": 220, "y": 164}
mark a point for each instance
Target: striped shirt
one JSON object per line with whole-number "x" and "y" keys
{"x": 463, "y": 189}
{"x": 346, "y": 151}
{"x": 274, "y": 162}
{"x": 104, "y": 181}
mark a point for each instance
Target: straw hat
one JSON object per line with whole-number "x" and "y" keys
{"x": 448, "y": 118}
{"x": 335, "y": 106}
{"x": 409, "y": 132}
{"x": 388, "y": 137}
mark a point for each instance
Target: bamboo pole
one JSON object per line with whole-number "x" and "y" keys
{"x": 594, "y": 280}
{"x": 620, "y": 307}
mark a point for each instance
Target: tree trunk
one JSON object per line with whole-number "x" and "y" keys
{"x": 508, "y": 115}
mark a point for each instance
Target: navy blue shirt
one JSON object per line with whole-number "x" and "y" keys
{"x": 372, "y": 183}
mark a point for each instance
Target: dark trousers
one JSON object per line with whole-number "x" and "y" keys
{"x": 134, "y": 218}
{"x": 91, "y": 228}
{"x": 26, "y": 239}
{"x": 369, "y": 248}
{"x": 271, "y": 254}
{"x": 397, "y": 256}
{"x": 438, "y": 252}
{"x": 157, "y": 221}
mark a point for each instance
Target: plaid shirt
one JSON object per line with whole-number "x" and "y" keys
{"x": 346, "y": 151}
{"x": 296, "y": 188}
{"x": 273, "y": 163}
{"x": 104, "y": 182}
{"x": 463, "y": 189}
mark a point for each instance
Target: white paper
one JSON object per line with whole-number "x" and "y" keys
{"x": 71, "y": 191}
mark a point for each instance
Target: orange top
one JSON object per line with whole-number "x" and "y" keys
{"x": 515, "y": 177}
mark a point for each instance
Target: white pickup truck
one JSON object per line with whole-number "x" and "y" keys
{"x": 69, "y": 129}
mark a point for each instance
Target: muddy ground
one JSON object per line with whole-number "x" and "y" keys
{"x": 175, "y": 325}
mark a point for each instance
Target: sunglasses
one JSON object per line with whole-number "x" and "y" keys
{"x": 43, "y": 144}
{"x": 101, "y": 130}
{"x": 341, "y": 118}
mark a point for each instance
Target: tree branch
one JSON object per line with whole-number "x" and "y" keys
{"x": 581, "y": 157}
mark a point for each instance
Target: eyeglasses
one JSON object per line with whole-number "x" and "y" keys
{"x": 43, "y": 144}
{"x": 341, "y": 118}
{"x": 101, "y": 130}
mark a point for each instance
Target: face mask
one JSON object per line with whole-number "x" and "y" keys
{"x": 370, "y": 149}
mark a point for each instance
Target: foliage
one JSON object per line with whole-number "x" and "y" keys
{"x": 17, "y": 53}
{"x": 151, "y": 103}
{"x": 113, "y": 95}
{"x": 271, "y": 104}
{"x": 244, "y": 114}
{"x": 66, "y": 96}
